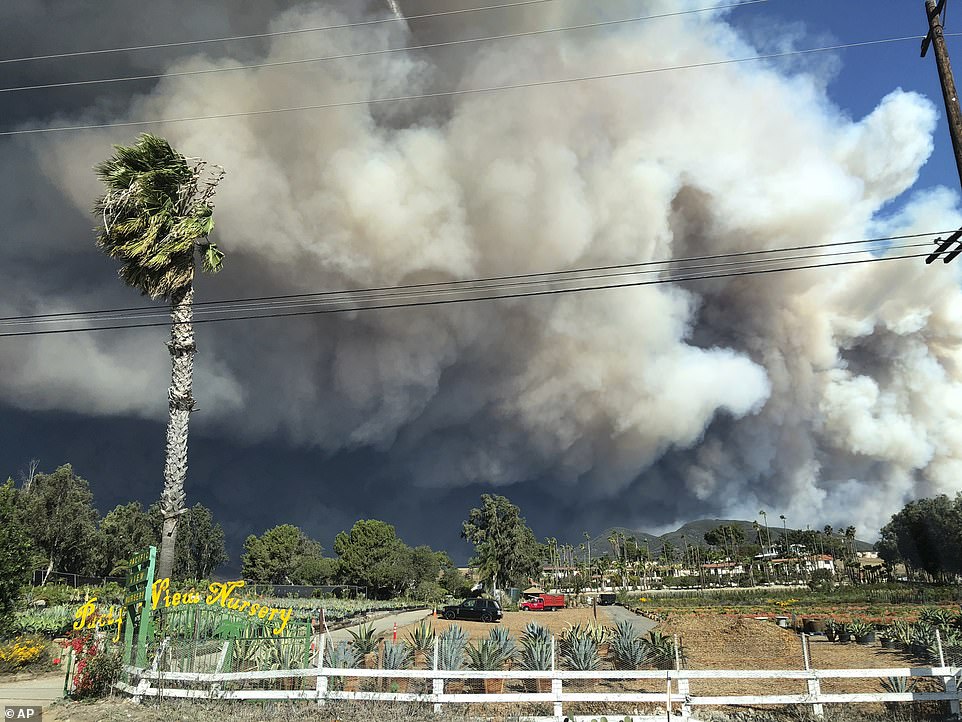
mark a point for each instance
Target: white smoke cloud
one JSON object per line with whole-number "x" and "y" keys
{"x": 830, "y": 394}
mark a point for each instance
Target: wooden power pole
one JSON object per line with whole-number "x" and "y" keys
{"x": 953, "y": 113}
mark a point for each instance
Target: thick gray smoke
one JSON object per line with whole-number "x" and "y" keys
{"x": 828, "y": 394}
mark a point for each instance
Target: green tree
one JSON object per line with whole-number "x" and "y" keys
{"x": 926, "y": 534}
{"x": 372, "y": 556}
{"x": 276, "y": 555}
{"x": 506, "y": 550}
{"x": 200, "y": 544}
{"x": 59, "y": 516}
{"x": 157, "y": 215}
{"x": 124, "y": 531}
{"x": 14, "y": 556}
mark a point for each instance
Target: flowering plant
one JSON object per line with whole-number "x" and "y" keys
{"x": 21, "y": 651}
{"x": 97, "y": 667}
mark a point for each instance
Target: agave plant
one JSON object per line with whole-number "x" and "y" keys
{"x": 535, "y": 631}
{"x": 365, "y": 639}
{"x": 421, "y": 638}
{"x": 580, "y": 652}
{"x": 343, "y": 655}
{"x": 486, "y": 655}
{"x": 936, "y": 617}
{"x": 630, "y": 650}
{"x": 901, "y": 631}
{"x": 501, "y": 637}
{"x": 451, "y": 646}
{"x": 535, "y": 652}
{"x": 397, "y": 655}
{"x": 898, "y": 685}
{"x": 661, "y": 649}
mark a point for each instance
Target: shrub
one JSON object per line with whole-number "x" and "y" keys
{"x": 21, "y": 652}
{"x": 97, "y": 668}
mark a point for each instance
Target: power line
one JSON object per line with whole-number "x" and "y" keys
{"x": 368, "y": 53}
{"x": 490, "y": 297}
{"x": 276, "y": 33}
{"x": 464, "y": 91}
{"x": 546, "y": 276}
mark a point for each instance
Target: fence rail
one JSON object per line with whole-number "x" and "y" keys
{"x": 677, "y": 695}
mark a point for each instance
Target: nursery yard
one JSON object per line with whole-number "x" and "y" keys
{"x": 554, "y": 622}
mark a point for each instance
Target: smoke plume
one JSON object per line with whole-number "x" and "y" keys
{"x": 831, "y": 395}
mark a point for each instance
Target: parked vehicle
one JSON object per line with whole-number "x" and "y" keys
{"x": 484, "y": 610}
{"x": 606, "y": 599}
{"x": 543, "y": 603}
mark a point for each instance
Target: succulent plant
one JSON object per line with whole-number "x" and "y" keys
{"x": 860, "y": 628}
{"x": 535, "y": 652}
{"x": 486, "y": 655}
{"x": 365, "y": 639}
{"x": 421, "y": 638}
{"x": 451, "y": 645}
{"x": 936, "y": 616}
{"x": 501, "y": 637}
{"x": 580, "y": 652}
{"x": 532, "y": 630}
{"x": 898, "y": 685}
{"x": 343, "y": 655}
{"x": 397, "y": 655}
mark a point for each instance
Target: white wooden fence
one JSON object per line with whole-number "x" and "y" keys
{"x": 677, "y": 695}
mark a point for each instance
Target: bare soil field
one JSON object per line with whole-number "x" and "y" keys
{"x": 555, "y": 622}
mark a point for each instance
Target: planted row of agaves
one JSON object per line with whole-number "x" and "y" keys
{"x": 581, "y": 647}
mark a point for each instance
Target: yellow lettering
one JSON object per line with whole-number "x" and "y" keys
{"x": 285, "y": 616}
{"x": 160, "y": 587}
{"x": 233, "y": 603}
{"x": 254, "y": 607}
{"x": 84, "y": 613}
{"x": 243, "y": 605}
{"x": 273, "y": 612}
{"x": 263, "y": 612}
{"x": 175, "y": 602}
{"x": 120, "y": 623}
{"x": 220, "y": 591}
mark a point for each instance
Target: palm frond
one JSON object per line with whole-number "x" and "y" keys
{"x": 156, "y": 213}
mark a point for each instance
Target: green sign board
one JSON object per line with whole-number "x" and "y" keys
{"x": 140, "y": 580}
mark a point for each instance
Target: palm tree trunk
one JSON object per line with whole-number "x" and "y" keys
{"x": 181, "y": 403}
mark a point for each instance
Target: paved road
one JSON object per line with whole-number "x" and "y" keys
{"x": 642, "y": 624}
{"x": 40, "y": 691}
{"x": 384, "y": 625}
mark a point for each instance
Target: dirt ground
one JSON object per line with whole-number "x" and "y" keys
{"x": 555, "y": 622}
{"x": 725, "y": 642}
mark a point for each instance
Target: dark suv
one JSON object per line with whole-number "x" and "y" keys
{"x": 485, "y": 610}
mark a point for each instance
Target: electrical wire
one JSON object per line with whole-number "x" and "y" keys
{"x": 490, "y": 297}
{"x": 560, "y": 275}
{"x": 368, "y": 53}
{"x": 463, "y": 91}
{"x": 275, "y": 33}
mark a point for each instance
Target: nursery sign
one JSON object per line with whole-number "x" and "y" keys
{"x": 87, "y": 618}
{"x": 219, "y": 594}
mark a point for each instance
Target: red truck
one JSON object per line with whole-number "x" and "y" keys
{"x": 543, "y": 603}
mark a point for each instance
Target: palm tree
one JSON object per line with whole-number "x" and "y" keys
{"x": 157, "y": 215}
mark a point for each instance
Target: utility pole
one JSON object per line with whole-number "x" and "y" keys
{"x": 953, "y": 112}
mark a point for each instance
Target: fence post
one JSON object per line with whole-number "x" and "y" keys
{"x": 950, "y": 683}
{"x": 437, "y": 684}
{"x": 321, "y": 684}
{"x": 684, "y": 686}
{"x": 556, "y": 685}
{"x": 814, "y": 685}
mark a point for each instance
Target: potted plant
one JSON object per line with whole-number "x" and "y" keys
{"x": 451, "y": 647}
{"x": 862, "y": 631}
{"x": 421, "y": 641}
{"x": 831, "y": 630}
{"x": 487, "y": 656}
{"x": 397, "y": 655}
{"x": 365, "y": 641}
{"x": 900, "y": 632}
{"x": 343, "y": 656}
{"x": 843, "y": 633}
